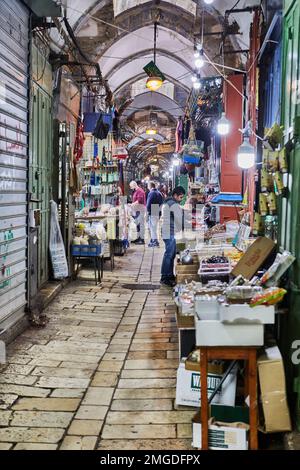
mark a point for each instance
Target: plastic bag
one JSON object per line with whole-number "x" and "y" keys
{"x": 270, "y": 296}
{"x": 132, "y": 231}
{"x": 56, "y": 246}
{"x": 279, "y": 267}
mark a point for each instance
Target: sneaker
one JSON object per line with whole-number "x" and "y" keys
{"x": 151, "y": 245}
{"x": 140, "y": 242}
{"x": 156, "y": 243}
{"x": 136, "y": 241}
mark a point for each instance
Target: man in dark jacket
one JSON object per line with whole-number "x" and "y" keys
{"x": 154, "y": 202}
{"x": 172, "y": 223}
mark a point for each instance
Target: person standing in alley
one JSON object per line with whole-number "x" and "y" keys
{"x": 139, "y": 207}
{"x": 172, "y": 223}
{"x": 154, "y": 203}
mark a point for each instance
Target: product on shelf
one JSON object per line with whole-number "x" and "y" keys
{"x": 281, "y": 264}
{"x": 270, "y": 296}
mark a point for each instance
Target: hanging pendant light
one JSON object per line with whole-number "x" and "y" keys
{"x": 223, "y": 125}
{"x": 208, "y": 2}
{"x": 199, "y": 57}
{"x": 151, "y": 131}
{"x": 154, "y": 82}
{"x": 246, "y": 155}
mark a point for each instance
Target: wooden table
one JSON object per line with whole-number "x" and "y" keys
{"x": 246, "y": 353}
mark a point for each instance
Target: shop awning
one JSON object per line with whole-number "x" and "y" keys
{"x": 44, "y": 7}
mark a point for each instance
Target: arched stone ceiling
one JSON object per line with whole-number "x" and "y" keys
{"x": 155, "y": 100}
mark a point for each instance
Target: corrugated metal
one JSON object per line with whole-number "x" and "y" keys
{"x": 14, "y": 78}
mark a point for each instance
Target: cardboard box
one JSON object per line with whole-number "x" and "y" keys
{"x": 206, "y": 309}
{"x": 216, "y": 333}
{"x": 243, "y": 313}
{"x": 221, "y": 436}
{"x": 188, "y": 387}
{"x": 187, "y": 268}
{"x": 275, "y": 415}
{"x": 254, "y": 257}
{"x": 183, "y": 278}
{"x": 185, "y": 321}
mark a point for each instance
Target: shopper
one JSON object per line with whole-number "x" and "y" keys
{"x": 154, "y": 203}
{"x": 139, "y": 207}
{"x": 172, "y": 223}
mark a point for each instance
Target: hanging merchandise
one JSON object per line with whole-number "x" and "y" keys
{"x": 257, "y": 224}
{"x": 265, "y": 181}
{"x": 278, "y": 183}
{"x": 273, "y": 160}
{"x": 79, "y": 141}
{"x": 56, "y": 246}
{"x": 101, "y": 129}
{"x": 271, "y": 198}
{"x": 179, "y": 132}
{"x": 119, "y": 151}
{"x": 283, "y": 166}
{"x": 263, "y": 206}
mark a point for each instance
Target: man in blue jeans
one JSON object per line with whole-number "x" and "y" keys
{"x": 172, "y": 223}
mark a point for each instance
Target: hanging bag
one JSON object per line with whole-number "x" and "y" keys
{"x": 101, "y": 129}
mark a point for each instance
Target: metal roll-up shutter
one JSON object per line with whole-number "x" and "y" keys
{"x": 14, "y": 102}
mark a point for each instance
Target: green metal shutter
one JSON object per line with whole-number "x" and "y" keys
{"x": 14, "y": 83}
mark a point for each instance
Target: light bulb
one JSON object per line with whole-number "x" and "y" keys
{"x": 246, "y": 155}
{"x": 194, "y": 78}
{"x": 208, "y": 2}
{"x": 176, "y": 162}
{"x": 199, "y": 62}
{"x": 197, "y": 85}
{"x": 196, "y": 54}
{"x": 154, "y": 83}
{"x": 223, "y": 126}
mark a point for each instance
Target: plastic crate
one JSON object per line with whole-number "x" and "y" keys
{"x": 211, "y": 271}
{"x": 86, "y": 250}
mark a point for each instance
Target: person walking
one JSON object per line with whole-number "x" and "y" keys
{"x": 139, "y": 207}
{"x": 172, "y": 223}
{"x": 154, "y": 203}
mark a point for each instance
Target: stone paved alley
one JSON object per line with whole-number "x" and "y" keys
{"x": 102, "y": 374}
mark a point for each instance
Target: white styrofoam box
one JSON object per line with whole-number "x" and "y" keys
{"x": 207, "y": 309}
{"x": 188, "y": 387}
{"x": 243, "y": 313}
{"x": 221, "y": 437}
{"x": 216, "y": 333}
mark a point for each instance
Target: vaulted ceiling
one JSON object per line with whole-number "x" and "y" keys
{"x": 118, "y": 34}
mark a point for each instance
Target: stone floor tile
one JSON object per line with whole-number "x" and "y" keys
{"x": 147, "y": 355}
{"x": 19, "y": 369}
{"x": 4, "y": 417}
{"x": 60, "y": 382}
{"x": 105, "y": 379}
{"x": 118, "y": 348}
{"x": 133, "y": 394}
{"x": 44, "y": 363}
{"x": 47, "y": 404}
{"x": 7, "y": 400}
{"x": 148, "y": 374}
{"x": 68, "y": 393}
{"x": 114, "y": 356}
{"x": 17, "y": 379}
{"x": 34, "y": 446}
{"x": 91, "y": 412}
{"x": 85, "y": 427}
{"x": 79, "y": 443}
{"x": 98, "y": 396}
{"x": 63, "y": 372}
{"x": 24, "y": 391}
{"x": 147, "y": 383}
{"x": 145, "y": 444}
{"x": 153, "y": 347}
{"x": 142, "y": 405}
{"x": 149, "y": 364}
{"x": 43, "y": 419}
{"x": 31, "y": 434}
{"x": 78, "y": 365}
{"x": 184, "y": 430}
{"x": 5, "y": 446}
{"x": 111, "y": 366}
{"x": 150, "y": 417}
{"x": 138, "y": 431}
